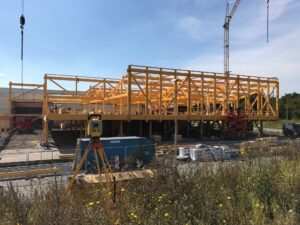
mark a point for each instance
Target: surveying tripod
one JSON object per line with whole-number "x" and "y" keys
{"x": 97, "y": 148}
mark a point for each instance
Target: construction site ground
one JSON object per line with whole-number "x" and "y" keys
{"x": 23, "y": 152}
{"x": 23, "y": 149}
{"x": 20, "y": 149}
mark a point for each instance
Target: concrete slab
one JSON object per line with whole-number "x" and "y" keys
{"x": 27, "y": 155}
{"x": 24, "y": 149}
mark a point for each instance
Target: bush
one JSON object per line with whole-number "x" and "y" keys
{"x": 265, "y": 191}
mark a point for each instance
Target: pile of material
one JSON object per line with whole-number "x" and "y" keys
{"x": 267, "y": 145}
{"x": 201, "y": 152}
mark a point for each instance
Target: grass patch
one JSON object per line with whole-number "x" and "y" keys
{"x": 278, "y": 124}
{"x": 254, "y": 191}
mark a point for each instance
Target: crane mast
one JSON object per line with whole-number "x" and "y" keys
{"x": 228, "y": 17}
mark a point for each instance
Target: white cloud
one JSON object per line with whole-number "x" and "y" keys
{"x": 279, "y": 58}
{"x": 252, "y": 19}
{"x": 251, "y": 55}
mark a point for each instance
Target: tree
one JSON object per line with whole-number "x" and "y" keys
{"x": 289, "y": 106}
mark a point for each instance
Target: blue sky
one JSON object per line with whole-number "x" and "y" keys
{"x": 101, "y": 37}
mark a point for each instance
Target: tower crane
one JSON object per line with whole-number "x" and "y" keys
{"x": 228, "y": 17}
{"x": 22, "y": 24}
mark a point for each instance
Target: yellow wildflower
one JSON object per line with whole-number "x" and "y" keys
{"x": 228, "y": 197}
{"x": 122, "y": 189}
{"x": 166, "y": 215}
{"x": 133, "y": 215}
{"x": 117, "y": 222}
{"x": 220, "y": 205}
{"x": 160, "y": 198}
{"x": 91, "y": 203}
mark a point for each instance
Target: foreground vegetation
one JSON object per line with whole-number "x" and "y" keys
{"x": 254, "y": 191}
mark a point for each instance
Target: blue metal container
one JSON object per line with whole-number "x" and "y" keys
{"x": 122, "y": 152}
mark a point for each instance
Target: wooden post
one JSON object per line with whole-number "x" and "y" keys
{"x": 45, "y": 111}
{"x": 121, "y": 133}
{"x": 201, "y": 128}
{"x": 215, "y": 96}
{"x": 147, "y": 93}
{"x": 121, "y": 101}
{"x": 202, "y": 101}
{"x": 175, "y": 116}
{"x": 104, "y": 96}
{"x": 150, "y": 128}
{"x": 277, "y": 99}
{"x": 114, "y": 107}
{"x": 202, "y": 96}
{"x": 238, "y": 94}
{"x": 248, "y": 97}
{"x": 189, "y": 96}
{"x": 175, "y": 95}
{"x": 258, "y": 98}
{"x": 160, "y": 94}
{"x": 225, "y": 104}
{"x": 129, "y": 93}
{"x": 141, "y": 128}
{"x": 261, "y": 128}
{"x": 10, "y": 105}
{"x": 268, "y": 97}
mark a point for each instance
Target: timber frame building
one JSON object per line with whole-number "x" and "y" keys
{"x": 146, "y": 95}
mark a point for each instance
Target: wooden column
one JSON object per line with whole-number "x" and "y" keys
{"x": 121, "y": 133}
{"x": 160, "y": 94}
{"x": 46, "y": 128}
{"x": 202, "y": 101}
{"x": 175, "y": 114}
{"x": 10, "y": 105}
{"x": 268, "y": 97}
{"x": 215, "y": 96}
{"x": 121, "y": 101}
{"x": 225, "y": 104}
{"x": 238, "y": 94}
{"x": 147, "y": 93}
{"x": 104, "y": 96}
{"x": 189, "y": 96}
{"x": 175, "y": 95}
{"x": 248, "y": 97}
{"x": 261, "y": 128}
{"x": 129, "y": 93}
{"x": 141, "y": 128}
{"x": 258, "y": 98}
{"x": 202, "y": 95}
{"x": 150, "y": 128}
{"x": 45, "y": 111}
{"x": 277, "y": 99}
{"x": 201, "y": 128}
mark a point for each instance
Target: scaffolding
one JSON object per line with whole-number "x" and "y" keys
{"x": 160, "y": 94}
